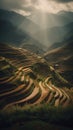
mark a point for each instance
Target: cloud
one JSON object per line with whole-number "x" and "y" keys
{"x": 64, "y": 1}
{"x": 53, "y": 6}
{"x": 27, "y": 6}
{"x": 20, "y": 6}
{"x": 8, "y": 4}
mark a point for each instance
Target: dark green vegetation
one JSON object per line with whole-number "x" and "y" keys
{"x": 45, "y": 113}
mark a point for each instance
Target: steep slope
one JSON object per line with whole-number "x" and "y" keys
{"x": 15, "y": 55}
{"x": 27, "y": 79}
{"x": 16, "y": 29}
{"x": 18, "y": 20}
{"x": 11, "y": 34}
{"x": 59, "y": 54}
{"x": 62, "y": 60}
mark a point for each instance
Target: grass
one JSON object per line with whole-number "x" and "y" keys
{"x": 46, "y": 113}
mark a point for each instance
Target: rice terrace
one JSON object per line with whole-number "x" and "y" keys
{"x": 26, "y": 84}
{"x": 36, "y": 65}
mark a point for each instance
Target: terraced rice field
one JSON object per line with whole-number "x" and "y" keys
{"x": 18, "y": 88}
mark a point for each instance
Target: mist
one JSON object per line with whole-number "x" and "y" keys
{"x": 44, "y": 18}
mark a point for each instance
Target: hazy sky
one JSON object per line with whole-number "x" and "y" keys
{"x": 26, "y": 7}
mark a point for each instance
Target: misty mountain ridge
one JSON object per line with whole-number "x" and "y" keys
{"x": 51, "y": 20}
{"x": 56, "y": 35}
{"x": 43, "y": 36}
{"x": 22, "y": 22}
{"x": 59, "y": 19}
{"x": 67, "y": 38}
{"x": 16, "y": 29}
{"x": 10, "y": 34}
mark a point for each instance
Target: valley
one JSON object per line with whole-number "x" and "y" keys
{"x": 36, "y": 70}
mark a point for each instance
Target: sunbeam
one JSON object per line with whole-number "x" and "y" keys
{"x": 40, "y": 16}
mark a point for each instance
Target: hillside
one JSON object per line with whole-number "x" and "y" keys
{"x": 29, "y": 87}
{"x": 60, "y": 54}
{"x": 9, "y": 33}
{"x": 26, "y": 78}
{"x": 17, "y": 54}
{"x": 15, "y": 30}
{"x": 12, "y": 35}
{"x": 62, "y": 60}
{"x": 18, "y": 20}
{"x": 23, "y": 23}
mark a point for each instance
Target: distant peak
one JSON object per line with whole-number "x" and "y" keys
{"x": 64, "y": 12}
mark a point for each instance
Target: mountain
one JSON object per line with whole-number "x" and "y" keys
{"x": 11, "y": 31}
{"x": 54, "y": 37}
{"x": 57, "y": 34}
{"x": 51, "y": 26}
{"x": 63, "y": 43}
{"x": 42, "y": 31}
{"x": 45, "y": 32}
{"x": 67, "y": 36}
{"x": 12, "y": 35}
{"x": 51, "y": 20}
{"x": 22, "y": 22}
